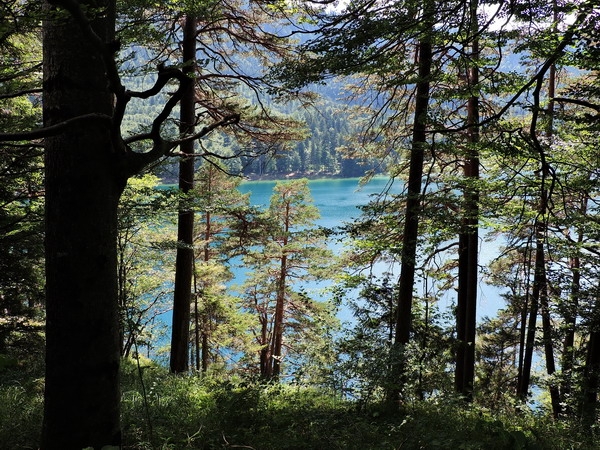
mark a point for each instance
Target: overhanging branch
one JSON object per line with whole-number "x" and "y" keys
{"x": 53, "y": 130}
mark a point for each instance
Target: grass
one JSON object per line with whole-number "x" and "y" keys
{"x": 187, "y": 412}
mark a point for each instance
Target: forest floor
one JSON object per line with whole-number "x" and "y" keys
{"x": 163, "y": 411}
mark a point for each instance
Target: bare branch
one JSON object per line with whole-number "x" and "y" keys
{"x": 575, "y": 101}
{"x": 20, "y": 93}
{"x": 52, "y": 130}
{"x": 227, "y": 120}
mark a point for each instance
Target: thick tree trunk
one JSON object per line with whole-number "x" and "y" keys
{"x": 461, "y": 312}
{"x": 466, "y": 322}
{"x": 184, "y": 262}
{"x": 82, "y": 191}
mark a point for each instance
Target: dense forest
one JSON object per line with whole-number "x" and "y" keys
{"x": 126, "y": 129}
{"x": 326, "y": 127}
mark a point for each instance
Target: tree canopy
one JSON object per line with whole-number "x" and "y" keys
{"x": 484, "y": 114}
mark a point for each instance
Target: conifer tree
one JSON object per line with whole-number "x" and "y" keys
{"x": 291, "y": 247}
{"x": 88, "y": 159}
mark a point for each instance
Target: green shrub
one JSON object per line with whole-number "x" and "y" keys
{"x": 21, "y": 410}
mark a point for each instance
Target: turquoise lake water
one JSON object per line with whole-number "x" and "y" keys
{"x": 338, "y": 201}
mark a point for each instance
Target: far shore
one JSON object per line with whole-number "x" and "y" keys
{"x": 294, "y": 176}
{"x": 290, "y": 176}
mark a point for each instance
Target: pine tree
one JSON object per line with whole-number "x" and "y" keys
{"x": 291, "y": 248}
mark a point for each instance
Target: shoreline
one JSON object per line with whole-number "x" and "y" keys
{"x": 294, "y": 176}
{"x": 290, "y": 176}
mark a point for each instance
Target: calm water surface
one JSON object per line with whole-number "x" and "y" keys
{"x": 338, "y": 201}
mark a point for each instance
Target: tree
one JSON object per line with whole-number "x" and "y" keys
{"x": 222, "y": 50}
{"x": 290, "y": 248}
{"x": 83, "y": 185}
{"x": 216, "y": 321}
{"x": 369, "y": 41}
{"x": 415, "y": 174}
{"x": 87, "y": 164}
{"x": 468, "y": 239}
{"x": 144, "y": 250}
{"x": 88, "y": 161}
{"x": 184, "y": 263}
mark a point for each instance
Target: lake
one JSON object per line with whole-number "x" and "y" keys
{"x": 338, "y": 201}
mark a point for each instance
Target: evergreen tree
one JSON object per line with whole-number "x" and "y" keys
{"x": 21, "y": 186}
{"x": 218, "y": 326}
{"x": 291, "y": 247}
{"x": 88, "y": 161}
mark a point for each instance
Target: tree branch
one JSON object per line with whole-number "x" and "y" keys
{"x": 575, "y": 101}
{"x": 231, "y": 119}
{"x": 52, "y": 130}
{"x": 20, "y": 93}
{"x": 161, "y": 147}
{"x": 565, "y": 41}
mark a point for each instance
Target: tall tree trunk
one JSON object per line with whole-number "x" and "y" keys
{"x": 469, "y": 236}
{"x": 83, "y": 187}
{"x": 570, "y": 315}
{"x": 413, "y": 200}
{"x": 280, "y": 304}
{"x": 591, "y": 373}
{"x": 545, "y": 309}
{"x": 184, "y": 262}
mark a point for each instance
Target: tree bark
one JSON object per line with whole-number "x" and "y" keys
{"x": 591, "y": 374}
{"x": 83, "y": 187}
{"x": 469, "y": 237}
{"x": 413, "y": 201}
{"x": 280, "y": 303}
{"x": 540, "y": 282}
{"x": 184, "y": 261}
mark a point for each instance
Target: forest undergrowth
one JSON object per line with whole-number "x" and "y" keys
{"x": 165, "y": 411}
